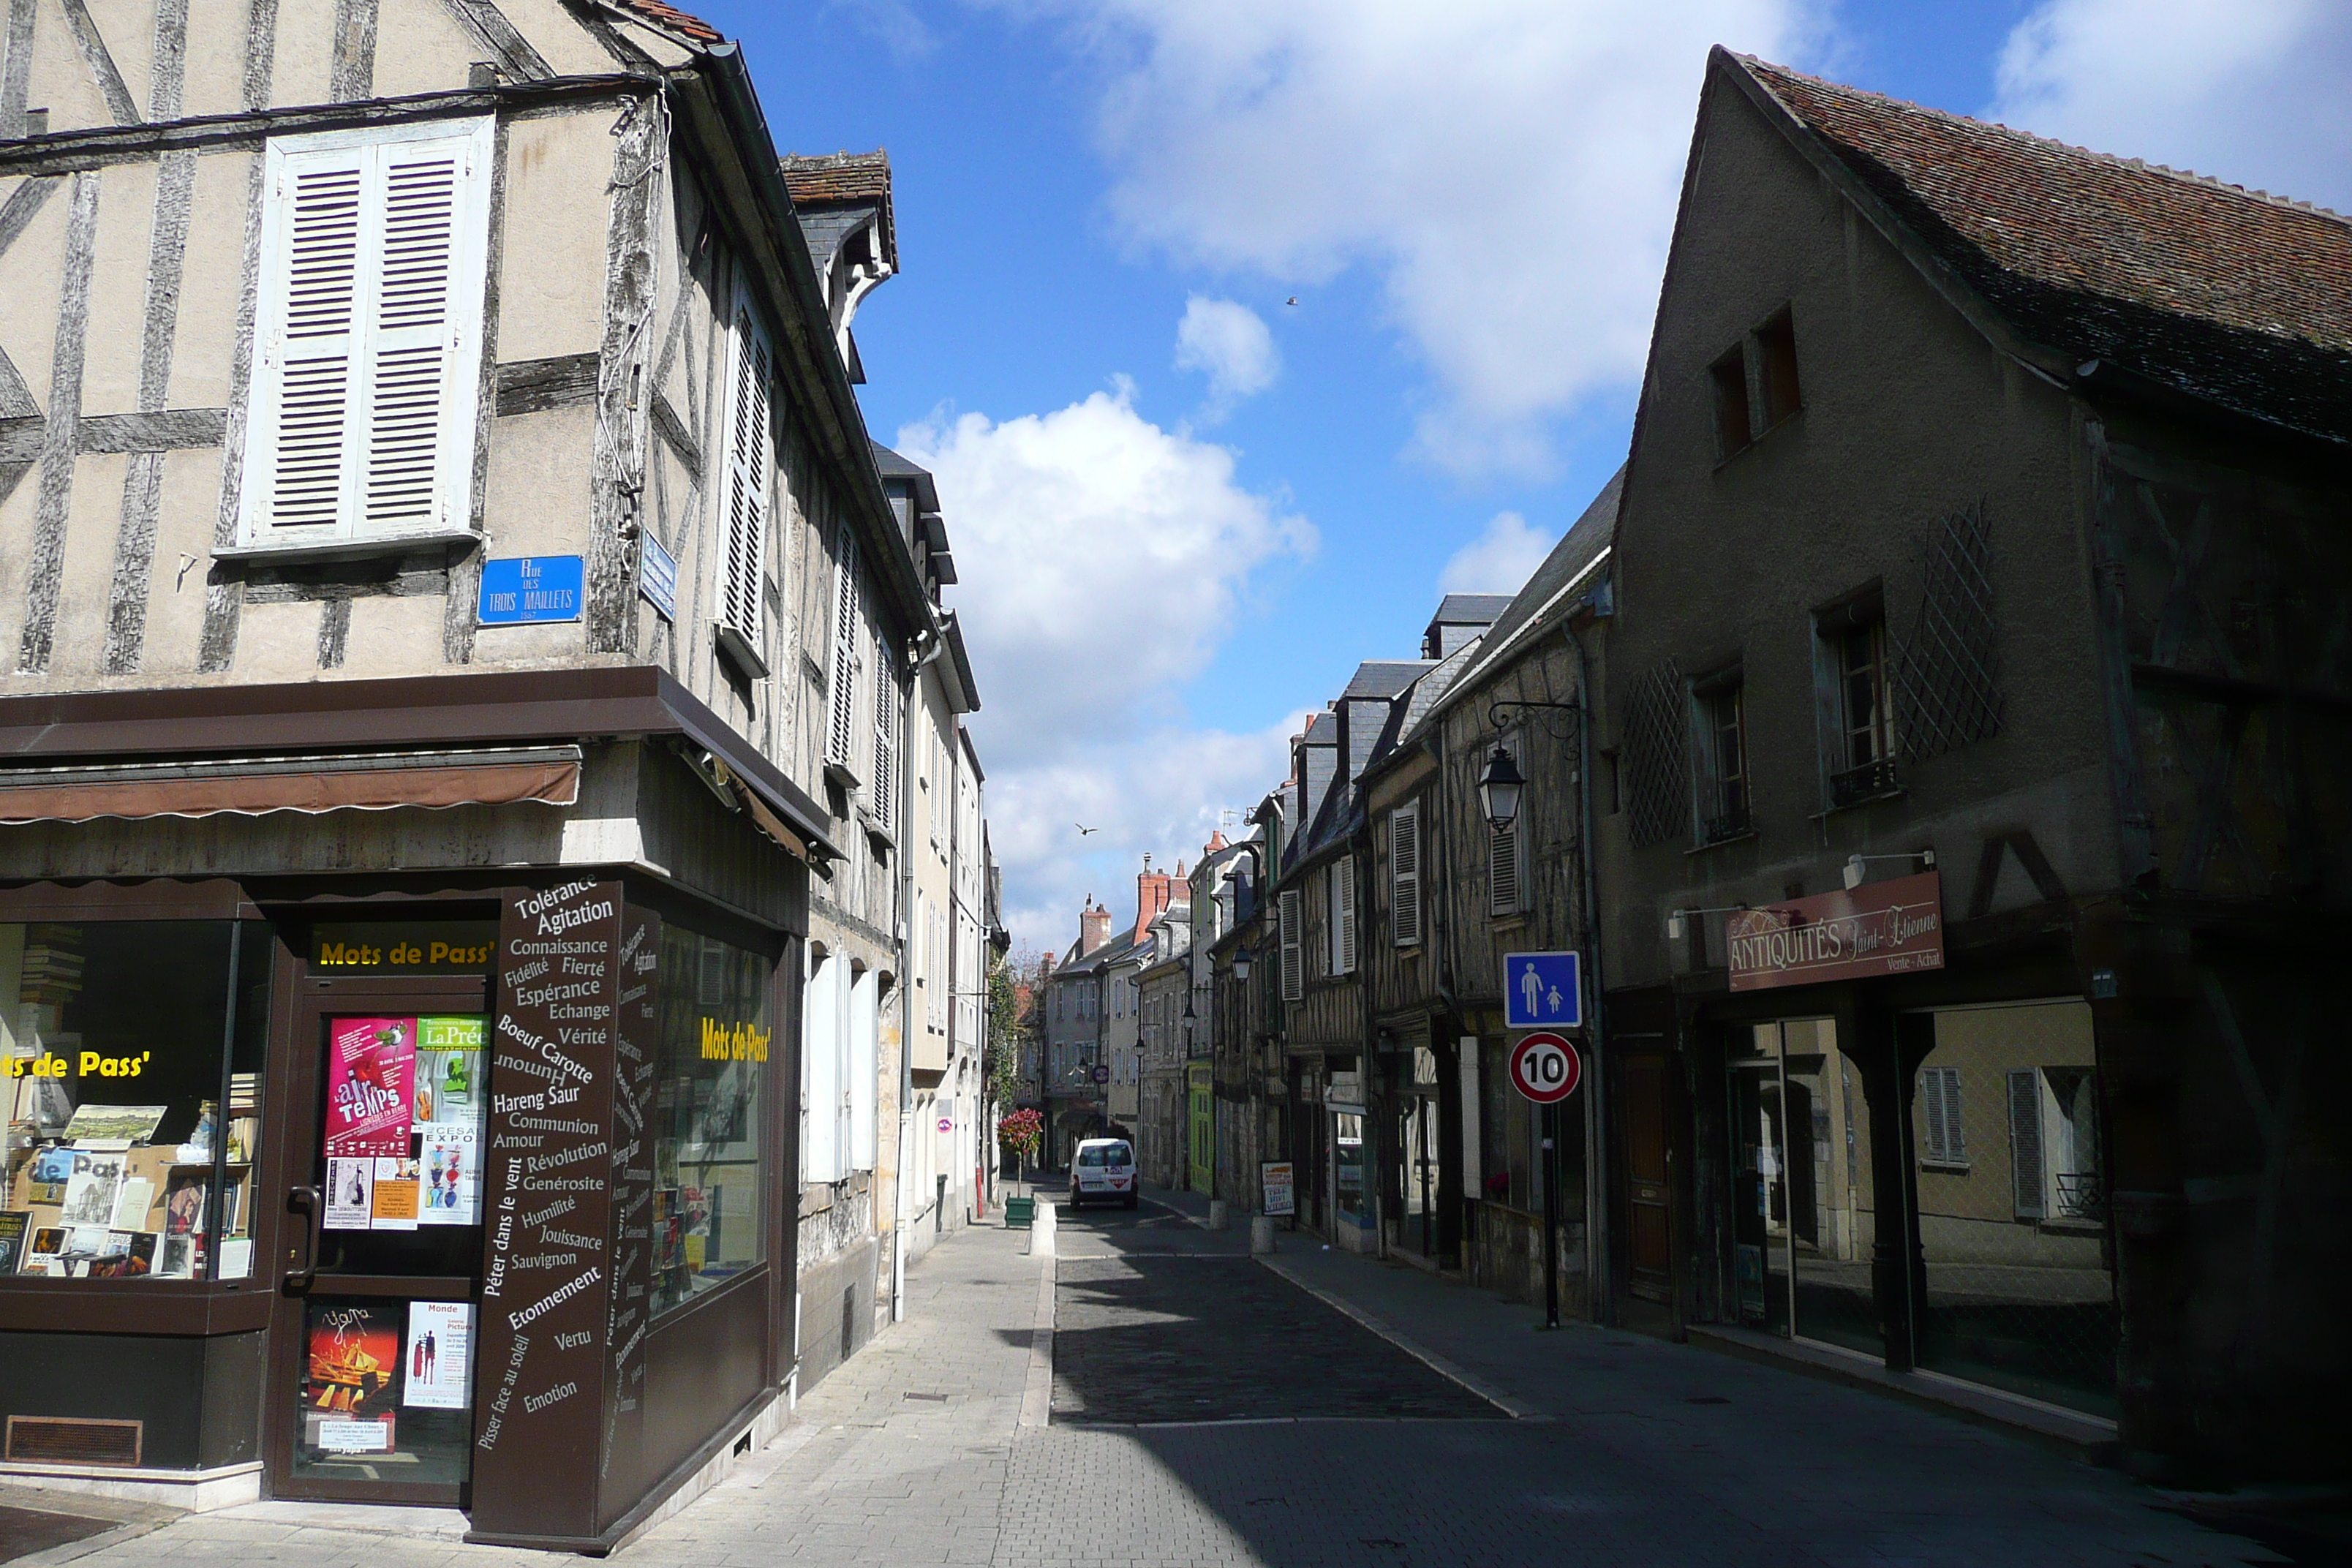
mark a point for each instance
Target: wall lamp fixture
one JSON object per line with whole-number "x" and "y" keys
{"x": 1675, "y": 917}
{"x": 1854, "y": 864}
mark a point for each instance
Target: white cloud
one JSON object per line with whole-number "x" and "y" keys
{"x": 1228, "y": 344}
{"x": 2252, "y": 91}
{"x": 1104, "y": 560}
{"x": 1508, "y": 166}
{"x": 1500, "y": 561}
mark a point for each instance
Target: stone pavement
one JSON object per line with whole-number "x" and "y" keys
{"x": 1638, "y": 1453}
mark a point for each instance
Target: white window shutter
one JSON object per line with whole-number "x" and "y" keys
{"x": 1293, "y": 979}
{"x": 841, "y": 718}
{"x": 821, "y": 1074}
{"x": 1404, "y": 874}
{"x": 865, "y": 1059}
{"x": 742, "y": 562}
{"x": 2026, "y": 1160}
{"x": 362, "y": 413}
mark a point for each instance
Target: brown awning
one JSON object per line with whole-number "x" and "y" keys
{"x": 256, "y": 787}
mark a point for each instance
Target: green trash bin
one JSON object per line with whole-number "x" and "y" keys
{"x": 1019, "y": 1213}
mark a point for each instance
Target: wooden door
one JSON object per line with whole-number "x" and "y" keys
{"x": 1648, "y": 1178}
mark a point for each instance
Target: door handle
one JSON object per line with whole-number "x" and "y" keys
{"x": 305, "y": 1200}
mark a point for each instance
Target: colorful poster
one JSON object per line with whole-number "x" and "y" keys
{"x": 439, "y": 1335}
{"x": 350, "y": 1194}
{"x": 396, "y": 1196}
{"x": 451, "y": 1162}
{"x": 371, "y": 1086}
{"x": 451, "y": 1105}
{"x": 353, "y": 1365}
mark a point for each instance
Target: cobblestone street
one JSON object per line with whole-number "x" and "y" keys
{"x": 1258, "y": 1423}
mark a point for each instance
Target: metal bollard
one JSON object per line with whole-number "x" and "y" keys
{"x": 1261, "y": 1236}
{"x": 1216, "y": 1213}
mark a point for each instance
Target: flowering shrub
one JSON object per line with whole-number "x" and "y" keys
{"x": 1022, "y": 1131}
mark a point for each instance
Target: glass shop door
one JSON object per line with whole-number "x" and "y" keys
{"x": 372, "y": 1374}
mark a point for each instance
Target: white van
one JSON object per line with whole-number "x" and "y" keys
{"x": 1104, "y": 1168}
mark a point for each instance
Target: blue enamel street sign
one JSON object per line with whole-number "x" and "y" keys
{"x": 1541, "y": 991}
{"x": 657, "y": 578}
{"x": 530, "y": 588}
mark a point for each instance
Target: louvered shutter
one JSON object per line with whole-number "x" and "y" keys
{"x": 843, "y": 689}
{"x": 361, "y": 412}
{"x": 1503, "y": 869}
{"x": 2026, "y": 1161}
{"x": 744, "y": 563}
{"x": 888, "y": 700}
{"x": 1343, "y": 915}
{"x": 1294, "y": 979}
{"x": 1404, "y": 874}
{"x": 1931, "y": 1114}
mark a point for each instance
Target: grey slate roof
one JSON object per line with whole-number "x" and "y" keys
{"x": 891, "y": 466}
{"x": 1470, "y": 609}
{"x": 1382, "y": 678}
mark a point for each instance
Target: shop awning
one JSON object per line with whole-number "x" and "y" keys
{"x": 257, "y": 786}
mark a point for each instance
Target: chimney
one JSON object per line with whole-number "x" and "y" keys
{"x": 1153, "y": 891}
{"x": 1094, "y": 926}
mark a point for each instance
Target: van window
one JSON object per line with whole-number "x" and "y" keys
{"x": 1117, "y": 1157}
{"x": 1093, "y": 1156}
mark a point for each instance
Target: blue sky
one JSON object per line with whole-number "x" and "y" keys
{"x": 1162, "y": 569}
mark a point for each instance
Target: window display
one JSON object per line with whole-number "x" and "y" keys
{"x": 385, "y": 1390}
{"x": 708, "y": 1168}
{"x": 120, "y": 1160}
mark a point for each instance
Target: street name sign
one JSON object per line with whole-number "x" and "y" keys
{"x": 1541, "y": 991}
{"x": 1545, "y": 1068}
{"x": 522, "y": 589}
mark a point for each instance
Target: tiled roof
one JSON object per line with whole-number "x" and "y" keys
{"x": 676, "y": 20}
{"x": 830, "y": 177}
{"x": 2223, "y": 293}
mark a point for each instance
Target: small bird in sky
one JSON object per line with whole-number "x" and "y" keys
{"x": 1084, "y": 829}
{"x": 1292, "y": 300}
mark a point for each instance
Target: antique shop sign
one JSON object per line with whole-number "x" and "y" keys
{"x": 1884, "y": 928}
{"x": 547, "y": 1213}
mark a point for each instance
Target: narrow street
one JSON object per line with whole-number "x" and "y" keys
{"x": 1207, "y": 1408}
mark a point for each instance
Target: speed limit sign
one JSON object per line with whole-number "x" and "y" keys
{"x": 1544, "y": 1067}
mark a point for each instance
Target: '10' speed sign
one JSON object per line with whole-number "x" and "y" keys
{"x": 1544, "y": 1067}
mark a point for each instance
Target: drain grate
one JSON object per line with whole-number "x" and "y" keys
{"x": 73, "y": 1440}
{"x": 927, "y": 1398}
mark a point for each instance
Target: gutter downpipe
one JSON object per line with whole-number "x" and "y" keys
{"x": 906, "y": 791}
{"x": 1601, "y": 1291}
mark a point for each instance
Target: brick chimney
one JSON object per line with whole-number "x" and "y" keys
{"x": 1153, "y": 892}
{"x": 1094, "y": 926}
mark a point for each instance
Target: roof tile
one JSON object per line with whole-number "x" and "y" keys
{"x": 2229, "y": 294}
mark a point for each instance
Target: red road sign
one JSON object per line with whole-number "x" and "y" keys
{"x": 1544, "y": 1067}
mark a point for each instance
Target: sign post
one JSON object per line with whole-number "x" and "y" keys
{"x": 1545, "y": 1069}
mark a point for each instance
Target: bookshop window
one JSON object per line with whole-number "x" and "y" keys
{"x": 131, "y": 1059}
{"x": 710, "y": 1160}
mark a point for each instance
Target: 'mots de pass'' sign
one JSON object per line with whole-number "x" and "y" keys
{"x": 1885, "y": 928}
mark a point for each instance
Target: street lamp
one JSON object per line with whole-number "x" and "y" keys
{"x": 1241, "y": 964}
{"x": 1500, "y": 787}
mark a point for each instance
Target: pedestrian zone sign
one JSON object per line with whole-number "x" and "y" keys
{"x": 1541, "y": 991}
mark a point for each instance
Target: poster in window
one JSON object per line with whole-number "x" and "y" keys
{"x": 352, "y": 1369}
{"x": 370, "y": 1086}
{"x": 450, "y": 1105}
{"x": 396, "y": 1196}
{"x": 90, "y": 1190}
{"x": 350, "y": 1194}
{"x": 439, "y": 1335}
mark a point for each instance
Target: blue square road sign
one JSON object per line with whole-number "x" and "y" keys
{"x": 1541, "y": 991}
